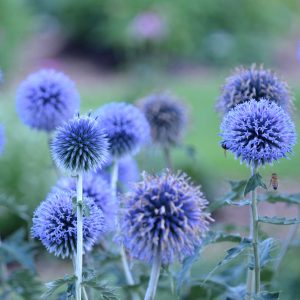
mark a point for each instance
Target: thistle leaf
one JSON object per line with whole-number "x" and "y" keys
{"x": 54, "y": 285}
{"x": 219, "y": 237}
{"x": 254, "y": 182}
{"x": 276, "y": 197}
{"x": 278, "y": 220}
{"x": 267, "y": 296}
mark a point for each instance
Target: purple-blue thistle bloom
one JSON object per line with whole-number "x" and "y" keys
{"x": 2, "y": 139}
{"x": 55, "y": 221}
{"x": 97, "y": 189}
{"x": 126, "y": 127}
{"x": 258, "y": 132}
{"x": 46, "y": 99}
{"x": 164, "y": 213}
{"x": 167, "y": 117}
{"x": 254, "y": 83}
{"x": 80, "y": 145}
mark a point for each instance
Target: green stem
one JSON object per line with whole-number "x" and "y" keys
{"x": 167, "y": 156}
{"x": 79, "y": 248}
{"x": 152, "y": 286}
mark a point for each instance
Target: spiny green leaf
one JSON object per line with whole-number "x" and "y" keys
{"x": 276, "y": 197}
{"x": 54, "y": 285}
{"x": 254, "y": 182}
{"x": 278, "y": 220}
{"x": 218, "y": 237}
{"x": 267, "y": 296}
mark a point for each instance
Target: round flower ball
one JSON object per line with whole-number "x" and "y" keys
{"x": 97, "y": 189}
{"x": 258, "y": 132}
{"x": 254, "y": 83}
{"x": 55, "y": 221}
{"x": 46, "y": 99}
{"x": 167, "y": 118}
{"x": 80, "y": 145}
{"x": 2, "y": 139}
{"x": 126, "y": 127}
{"x": 164, "y": 214}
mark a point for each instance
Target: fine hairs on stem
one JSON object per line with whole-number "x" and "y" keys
{"x": 153, "y": 281}
{"x": 79, "y": 237}
{"x": 253, "y": 276}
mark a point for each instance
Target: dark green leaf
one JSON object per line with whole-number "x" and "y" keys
{"x": 267, "y": 296}
{"x": 278, "y": 220}
{"x": 276, "y": 197}
{"x": 53, "y": 286}
{"x": 218, "y": 237}
{"x": 254, "y": 182}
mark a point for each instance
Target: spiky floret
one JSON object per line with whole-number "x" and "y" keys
{"x": 97, "y": 189}
{"x": 167, "y": 117}
{"x": 80, "y": 145}
{"x": 254, "y": 83}
{"x": 126, "y": 127}
{"x": 166, "y": 214}
{"x": 55, "y": 221}
{"x": 46, "y": 99}
{"x": 2, "y": 138}
{"x": 258, "y": 132}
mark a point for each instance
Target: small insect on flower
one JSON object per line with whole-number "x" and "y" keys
{"x": 167, "y": 117}
{"x": 164, "y": 212}
{"x": 254, "y": 83}
{"x": 80, "y": 145}
{"x": 126, "y": 127}
{"x": 258, "y": 132}
{"x": 46, "y": 99}
{"x": 274, "y": 181}
{"x": 223, "y": 145}
{"x": 55, "y": 222}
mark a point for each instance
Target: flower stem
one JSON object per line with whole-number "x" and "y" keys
{"x": 151, "y": 290}
{"x": 79, "y": 248}
{"x": 167, "y": 156}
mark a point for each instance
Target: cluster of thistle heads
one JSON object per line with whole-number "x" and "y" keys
{"x": 256, "y": 107}
{"x": 164, "y": 213}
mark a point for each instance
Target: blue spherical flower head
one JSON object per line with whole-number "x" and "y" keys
{"x": 254, "y": 83}
{"x": 167, "y": 118}
{"x": 2, "y": 139}
{"x": 46, "y": 99}
{"x": 166, "y": 214}
{"x": 80, "y": 145}
{"x": 97, "y": 189}
{"x": 258, "y": 132}
{"x": 55, "y": 221}
{"x": 126, "y": 127}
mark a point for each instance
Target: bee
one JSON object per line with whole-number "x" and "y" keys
{"x": 274, "y": 181}
{"x": 223, "y": 145}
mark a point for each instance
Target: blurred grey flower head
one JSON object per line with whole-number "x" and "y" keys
{"x": 55, "y": 224}
{"x": 167, "y": 117}
{"x": 80, "y": 145}
{"x": 254, "y": 83}
{"x": 97, "y": 189}
{"x": 148, "y": 25}
{"x": 46, "y": 99}
{"x": 258, "y": 132}
{"x": 164, "y": 214}
{"x": 126, "y": 128}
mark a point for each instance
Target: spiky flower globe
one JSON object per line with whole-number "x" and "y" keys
{"x": 167, "y": 118}
{"x": 54, "y": 224}
{"x": 97, "y": 189}
{"x": 258, "y": 132}
{"x": 2, "y": 138}
{"x": 80, "y": 145}
{"x": 165, "y": 214}
{"x": 254, "y": 83}
{"x": 46, "y": 99}
{"x": 126, "y": 127}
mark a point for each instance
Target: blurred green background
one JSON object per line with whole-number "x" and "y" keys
{"x": 124, "y": 50}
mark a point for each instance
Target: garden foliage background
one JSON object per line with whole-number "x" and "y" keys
{"x": 191, "y": 48}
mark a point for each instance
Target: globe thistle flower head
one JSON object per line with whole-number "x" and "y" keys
{"x": 254, "y": 83}
{"x": 46, "y": 99}
{"x": 126, "y": 127}
{"x": 97, "y": 189}
{"x": 258, "y": 132}
{"x": 80, "y": 145}
{"x": 167, "y": 118}
{"x": 55, "y": 221}
{"x": 2, "y": 138}
{"x": 166, "y": 214}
